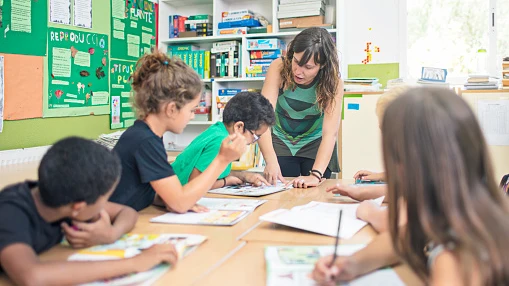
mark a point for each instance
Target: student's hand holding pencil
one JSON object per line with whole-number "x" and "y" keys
{"x": 343, "y": 269}
{"x": 157, "y": 254}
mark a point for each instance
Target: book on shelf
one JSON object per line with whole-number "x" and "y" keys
{"x": 300, "y": 13}
{"x": 292, "y": 265}
{"x": 298, "y": 1}
{"x": 130, "y": 245}
{"x": 301, "y": 6}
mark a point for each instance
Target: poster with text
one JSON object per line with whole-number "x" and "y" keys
{"x": 78, "y": 65}
{"x": 133, "y": 28}
{"x": 23, "y": 27}
{"x": 122, "y": 113}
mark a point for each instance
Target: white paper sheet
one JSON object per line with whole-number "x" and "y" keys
{"x": 83, "y": 13}
{"x": 320, "y": 218}
{"x": 231, "y": 204}
{"x": 60, "y": 11}
{"x": 494, "y": 120}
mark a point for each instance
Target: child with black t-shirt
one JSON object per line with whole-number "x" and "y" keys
{"x": 166, "y": 94}
{"x": 76, "y": 178}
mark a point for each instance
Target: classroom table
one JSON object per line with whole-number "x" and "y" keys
{"x": 230, "y": 255}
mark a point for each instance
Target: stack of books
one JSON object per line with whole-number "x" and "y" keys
{"x": 262, "y": 52}
{"x": 192, "y": 26}
{"x": 237, "y": 22}
{"x": 109, "y": 140}
{"x": 480, "y": 81}
{"x": 288, "y": 9}
{"x": 362, "y": 84}
{"x": 505, "y": 73}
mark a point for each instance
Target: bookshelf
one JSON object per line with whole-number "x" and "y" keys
{"x": 266, "y": 8}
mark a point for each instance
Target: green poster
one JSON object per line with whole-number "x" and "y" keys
{"x": 133, "y": 28}
{"x": 23, "y": 27}
{"x": 122, "y": 114}
{"x": 78, "y": 71}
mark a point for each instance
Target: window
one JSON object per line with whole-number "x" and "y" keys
{"x": 502, "y": 24}
{"x": 452, "y": 34}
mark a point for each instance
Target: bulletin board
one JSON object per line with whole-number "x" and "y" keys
{"x": 23, "y": 86}
{"x": 133, "y": 28}
{"x": 23, "y": 27}
{"x": 78, "y": 65}
{"x": 121, "y": 114}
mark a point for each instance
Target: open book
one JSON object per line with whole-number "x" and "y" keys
{"x": 251, "y": 191}
{"x": 320, "y": 218}
{"x": 131, "y": 245}
{"x": 291, "y": 265}
{"x": 221, "y": 212}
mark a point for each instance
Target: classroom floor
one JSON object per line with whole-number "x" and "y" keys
{"x": 230, "y": 255}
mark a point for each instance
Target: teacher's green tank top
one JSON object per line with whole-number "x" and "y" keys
{"x": 298, "y": 128}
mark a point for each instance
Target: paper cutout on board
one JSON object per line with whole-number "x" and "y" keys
{"x": 122, "y": 115}
{"x": 80, "y": 59}
{"x": 60, "y": 12}
{"x": 83, "y": 13}
{"x": 133, "y": 28}
{"x": 22, "y": 100}
{"x": 23, "y": 21}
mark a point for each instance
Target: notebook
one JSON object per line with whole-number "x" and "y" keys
{"x": 130, "y": 245}
{"x": 291, "y": 265}
{"x": 251, "y": 191}
{"x": 225, "y": 212}
{"x": 320, "y": 218}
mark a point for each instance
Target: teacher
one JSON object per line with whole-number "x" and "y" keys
{"x": 306, "y": 89}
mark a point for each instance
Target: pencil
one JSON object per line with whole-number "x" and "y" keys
{"x": 334, "y": 256}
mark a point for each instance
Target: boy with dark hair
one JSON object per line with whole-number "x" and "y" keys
{"x": 76, "y": 178}
{"x": 248, "y": 113}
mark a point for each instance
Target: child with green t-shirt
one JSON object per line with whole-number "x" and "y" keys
{"x": 247, "y": 113}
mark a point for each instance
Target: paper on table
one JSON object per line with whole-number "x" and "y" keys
{"x": 60, "y": 11}
{"x": 231, "y": 204}
{"x": 320, "y": 218}
{"x": 212, "y": 217}
{"x": 251, "y": 191}
{"x": 494, "y": 120}
{"x": 291, "y": 265}
{"x": 83, "y": 13}
{"x": 61, "y": 62}
{"x": 21, "y": 16}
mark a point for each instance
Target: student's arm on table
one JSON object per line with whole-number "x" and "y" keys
{"x": 360, "y": 192}
{"x": 375, "y": 215}
{"x": 330, "y": 128}
{"x": 270, "y": 90}
{"x": 379, "y": 253}
{"x": 368, "y": 175}
{"x": 231, "y": 180}
{"x": 23, "y": 266}
{"x": 180, "y": 198}
{"x": 114, "y": 221}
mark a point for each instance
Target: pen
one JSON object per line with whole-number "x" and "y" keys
{"x": 334, "y": 256}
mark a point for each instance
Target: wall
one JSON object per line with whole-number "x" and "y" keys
{"x": 45, "y": 131}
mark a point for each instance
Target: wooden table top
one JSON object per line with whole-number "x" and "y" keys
{"x": 231, "y": 255}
